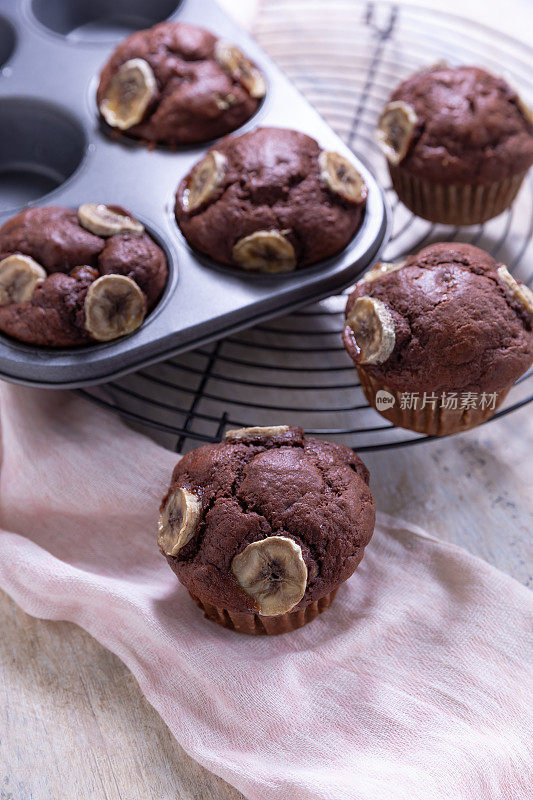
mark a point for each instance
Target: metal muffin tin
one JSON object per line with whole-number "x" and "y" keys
{"x": 54, "y": 150}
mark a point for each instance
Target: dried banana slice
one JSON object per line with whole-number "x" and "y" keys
{"x": 129, "y": 94}
{"x": 19, "y": 277}
{"x": 103, "y": 221}
{"x": 178, "y": 521}
{"x": 114, "y": 306}
{"x": 223, "y": 102}
{"x": 271, "y": 431}
{"x": 525, "y": 109}
{"x": 239, "y": 66}
{"x": 274, "y": 574}
{"x": 395, "y": 130}
{"x": 203, "y": 180}
{"x": 436, "y": 65}
{"x": 265, "y": 251}
{"x": 373, "y": 329}
{"x": 341, "y": 177}
{"x": 521, "y": 293}
{"x": 383, "y": 268}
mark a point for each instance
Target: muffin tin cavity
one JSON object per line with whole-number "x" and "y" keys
{"x": 41, "y": 146}
{"x": 8, "y": 40}
{"x": 100, "y": 20}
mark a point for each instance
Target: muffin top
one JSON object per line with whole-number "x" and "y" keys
{"x": 270, "y": 201}
{"x": 446, "y": 319}
{"x": 178, "y": 84}
{"x": 457, "y": 125}
{"x": 267, "y": 521}
{"x": 70, "y": 277}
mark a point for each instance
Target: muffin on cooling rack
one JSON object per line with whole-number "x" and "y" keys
{"x": 439, "y": 339}
{"x": 264, "y": 527}
{"x": 74, "y": 277}
{"x": 459, "y": 143}
{"x": 178, "y": 84}
{"x": 270, "y": 201}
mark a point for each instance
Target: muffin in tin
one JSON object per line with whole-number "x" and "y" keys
{"x": 74, "y": 277}
{"x": 459, "y": 143}
{"x": 270, "y": 201}
{"x": 439, "y": 339}
{"x": 178, "y": 84}
{"x": 264, "y": 527}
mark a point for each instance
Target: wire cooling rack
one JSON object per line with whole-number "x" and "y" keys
{"x": 345, "y": 56}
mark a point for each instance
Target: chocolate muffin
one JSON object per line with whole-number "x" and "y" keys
{"x": 270, "y": 201}
{"x": 178, "y": 84}
{"x": 439, "y": 339}
{"x": 264, "y": 527}
{"x": 74, "y": 277}
{"x": 459, "y": 142}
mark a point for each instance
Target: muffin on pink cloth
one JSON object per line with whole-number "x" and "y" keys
{"x": 264, "y": 527}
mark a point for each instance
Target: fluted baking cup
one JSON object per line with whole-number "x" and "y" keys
{"x": 454, "y": 204}
{"x": 432, "y": 419}
{"x": 257, "y": 625}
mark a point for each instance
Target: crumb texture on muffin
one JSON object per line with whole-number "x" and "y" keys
{"x": 458, "y": 326}
{"x": 271, "y": 194}
{"x": 312, "y": 492}
{"x": 196, "y": 97}
{"x": 471, "y": 126}
{"x": 72, "y": 259}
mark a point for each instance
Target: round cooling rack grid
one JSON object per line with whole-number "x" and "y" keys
{"x": 345, "y": 56}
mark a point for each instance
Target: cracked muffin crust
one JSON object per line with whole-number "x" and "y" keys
{"x": 470, "y": 126}
{"x": 448, "y": 319}
{"x": 178, "y": 84}
{"x": 459, "y": 142}
{"x": 63, "y": 285}
{"x": 270, "y": 201}
{"x": 279, "y": 521}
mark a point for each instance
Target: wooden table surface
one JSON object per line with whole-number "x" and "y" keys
{"x": 74, "y": 724}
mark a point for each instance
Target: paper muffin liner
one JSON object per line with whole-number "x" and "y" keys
{"x": 454, "y": 204}
{"x": 257, "y": 625}
{"x": 435, "y": 421}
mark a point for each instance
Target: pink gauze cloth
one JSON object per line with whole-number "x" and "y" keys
{"x": 414, "y": 685}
